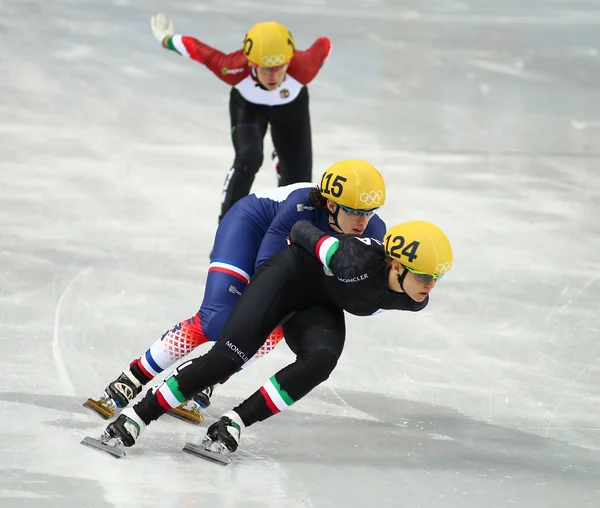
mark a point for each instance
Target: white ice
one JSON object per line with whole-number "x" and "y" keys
{"x": 483, "y": 116}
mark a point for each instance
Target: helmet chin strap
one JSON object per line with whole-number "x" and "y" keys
{"x": 334, "y": 216}
{"x": 401, "y": 279}
{"x": 254, "y": 75}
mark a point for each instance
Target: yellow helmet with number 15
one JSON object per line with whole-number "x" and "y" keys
{"x": 420, "y": 246}
{"x": 354, "y": 184}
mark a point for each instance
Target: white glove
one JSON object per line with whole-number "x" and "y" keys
{"x": 161, "y": 27}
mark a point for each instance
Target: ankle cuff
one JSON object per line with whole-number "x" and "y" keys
{"x": 131, "y": 376}
{"x": 235, "y": 418}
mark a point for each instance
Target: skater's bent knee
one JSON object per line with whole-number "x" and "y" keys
{"x": 248, "y": 161}
{"x": 319, "y": 364}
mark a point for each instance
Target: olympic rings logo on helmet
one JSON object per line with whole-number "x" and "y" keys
{"x": 371, "y": 198}
{"x": 273, "y": 60}
{"x": 444, "y": 267}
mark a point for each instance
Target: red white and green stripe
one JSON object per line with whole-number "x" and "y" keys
{"x": 277, "y": 399}
{"x": 168, "y": 394}
{"x": 176, "y": 43}
{"x": 326, "y": 248}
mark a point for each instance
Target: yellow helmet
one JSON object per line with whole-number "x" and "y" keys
{"x": 355, "y": 184}
{"x": 420, "y": 246}
{"x": 268, "y": 44}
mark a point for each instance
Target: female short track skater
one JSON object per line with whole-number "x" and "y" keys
{"x": 256, "y": 227}
{"x": 268, "y": 77}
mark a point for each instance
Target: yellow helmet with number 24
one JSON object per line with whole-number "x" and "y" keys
{"x": 355, "y": 184}
{"x": 420, "y": 246}
{"x": 268, "y": 44}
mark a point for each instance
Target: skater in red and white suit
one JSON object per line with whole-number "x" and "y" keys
{"x": 268, "y": 77}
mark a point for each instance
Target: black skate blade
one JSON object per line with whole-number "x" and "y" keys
{"x": 203, "y": 453}
{"x": 99, "y": 445}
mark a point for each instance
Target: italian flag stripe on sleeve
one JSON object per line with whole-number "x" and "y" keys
{"x": 176, "y": 43}
{"x": 326, "y": 248}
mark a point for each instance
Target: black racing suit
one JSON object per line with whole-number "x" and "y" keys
{"x": 291, "y": 135}
{"x": 293, "y": 287}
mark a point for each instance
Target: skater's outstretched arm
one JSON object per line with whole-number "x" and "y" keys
{"x": 228, "y": 67}
{"x": 306, "y": 64}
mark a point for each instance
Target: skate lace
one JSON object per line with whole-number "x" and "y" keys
{"x": 125, "y": 389}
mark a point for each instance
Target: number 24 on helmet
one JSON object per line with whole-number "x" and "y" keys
{"x": 420, "y": 246}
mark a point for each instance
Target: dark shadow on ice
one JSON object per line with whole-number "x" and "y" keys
{"x": 411, "y": 435}
{"x": 64, "y": 403}
{"x": 402, "y": 435}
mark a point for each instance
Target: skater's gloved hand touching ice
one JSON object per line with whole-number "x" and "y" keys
{"x": 162, "y": 27}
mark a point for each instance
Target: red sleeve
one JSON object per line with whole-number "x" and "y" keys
{"x": 228, "y": 67}
{"x": 306, "y": 64}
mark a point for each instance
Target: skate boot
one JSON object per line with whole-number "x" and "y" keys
{"x": 227, "y": 431}
{"x": 126, "y": 428}
{"x": 203, "y": 398}
{"x": 190, "y": 410}
{"x": 117, "y": 394}
{"x": 123, "y": 432}
{"x": 222, "y": 438}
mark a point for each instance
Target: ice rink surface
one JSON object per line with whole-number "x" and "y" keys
{"x": 483, "y": 116}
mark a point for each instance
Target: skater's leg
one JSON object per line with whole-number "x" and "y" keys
{"x": 291, "y": 134}
{"x": 270, "y": 344}
{"x": 262, "y": 306}
{"x": 248, "y": 127}
{"x": 235, "y": 249}
{"x": 317, "y": 337}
